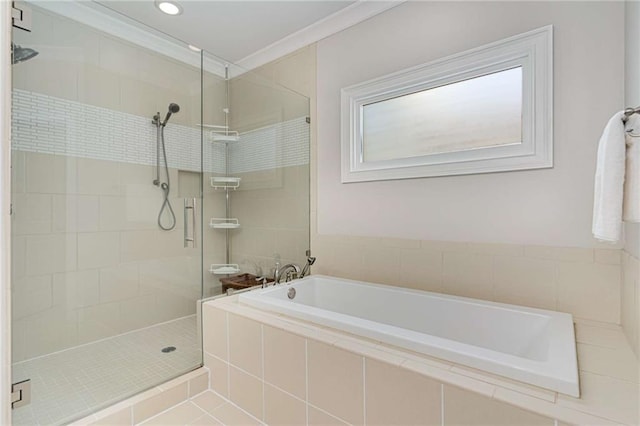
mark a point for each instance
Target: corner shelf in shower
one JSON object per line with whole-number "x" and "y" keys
{"x": 228, "y": 136}
{"x": 224, "y": 223}
{"x": 224, "y": 268}
{"x": 220, "y": 133}
{"x": 225, "y": 182}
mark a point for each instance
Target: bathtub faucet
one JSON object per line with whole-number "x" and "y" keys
{"x": 290, "y": 271}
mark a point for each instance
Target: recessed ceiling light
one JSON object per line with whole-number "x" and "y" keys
{"x": 194, "y": 48}
{"x": 169, "y": 7}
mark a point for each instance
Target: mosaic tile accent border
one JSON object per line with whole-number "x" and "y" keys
{"x": 281, "y": 145}
{"x": 52, "y": 125}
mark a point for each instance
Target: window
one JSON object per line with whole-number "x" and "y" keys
{"x": 484, "y": 110}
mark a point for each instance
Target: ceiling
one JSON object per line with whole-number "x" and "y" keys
{"x": 232, "y": 30}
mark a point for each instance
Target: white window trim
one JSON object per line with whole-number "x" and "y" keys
{"x": 532, "y": 50}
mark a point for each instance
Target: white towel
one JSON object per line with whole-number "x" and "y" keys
{"x": 631, "y": 210}
{"x": 609, "y": 181}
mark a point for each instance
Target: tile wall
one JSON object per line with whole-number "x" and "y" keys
{"x": 283, "y": 378}
{"x": 88, "y": 258}
{"x": 273, "y": 209}
{"x": 583, "y": 282}
{"x": 89, "y": 261}
{"x": 630, "y": 290}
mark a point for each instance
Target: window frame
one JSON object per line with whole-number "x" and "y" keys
{"x": 533, "y": 51}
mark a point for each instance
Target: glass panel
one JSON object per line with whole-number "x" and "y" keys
{"x": 270, "y": 201}
{"x": 100, "y": 292}
{"x": 477, "y": 113}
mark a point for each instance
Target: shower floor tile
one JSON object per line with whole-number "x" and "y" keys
{"x": 73, "y": 383}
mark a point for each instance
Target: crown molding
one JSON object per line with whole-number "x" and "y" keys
{"x": 120, "y": 26}
{"x": 117, "y": 25}
{"x": 353, "y": 14}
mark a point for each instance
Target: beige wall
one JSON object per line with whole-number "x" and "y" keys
{"x": 543, "y": 207}
{"x": 447, "y": 234}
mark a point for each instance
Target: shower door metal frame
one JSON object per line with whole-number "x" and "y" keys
{"x": 5, "y": 218}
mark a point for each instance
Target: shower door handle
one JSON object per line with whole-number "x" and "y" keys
{"x": 189, "y": 209}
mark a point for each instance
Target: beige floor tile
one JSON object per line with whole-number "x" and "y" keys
{"x": 205, "y": 420}
{"x": 179, "y": 415}
{"x": 230, "y": 415}
{"x": 246, "y": 391}
{"x": 208, "y": 401}
{"x": 283, "y": 409}
{"x": 320, "y": 418}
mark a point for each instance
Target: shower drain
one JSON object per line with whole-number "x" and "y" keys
{"x": 168, "y": 349}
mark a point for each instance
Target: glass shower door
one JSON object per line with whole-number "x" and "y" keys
{"x": 105, "y": 276}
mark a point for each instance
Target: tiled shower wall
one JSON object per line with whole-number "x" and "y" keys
{"x": 89, "y": 259}
{"x": 271, "y": 203}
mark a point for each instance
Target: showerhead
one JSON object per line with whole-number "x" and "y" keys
{"x": 21, "y": 54}
{"x": 173, "y": 108}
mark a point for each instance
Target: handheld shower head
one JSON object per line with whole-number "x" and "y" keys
{"x": 21, "y": 54}
{"x": 173, "y": 108}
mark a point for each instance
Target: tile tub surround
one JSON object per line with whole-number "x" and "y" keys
{"x": 581, "y": 281}
{"x": 630, "y": 289}
{"x": 262, "y": 361}
{"x": 529, "y": 345}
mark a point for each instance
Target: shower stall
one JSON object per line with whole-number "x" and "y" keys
{"x": 115, "y": 206}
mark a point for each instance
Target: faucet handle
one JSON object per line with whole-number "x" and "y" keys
{"x": 276, "y": 272}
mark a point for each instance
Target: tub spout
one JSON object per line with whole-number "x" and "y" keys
{"x": 290, "y": 271}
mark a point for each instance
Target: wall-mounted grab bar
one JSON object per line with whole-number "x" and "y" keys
{"x": 190, "y": 207}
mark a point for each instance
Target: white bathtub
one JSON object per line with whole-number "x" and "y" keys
{"x": 530, "y": 345}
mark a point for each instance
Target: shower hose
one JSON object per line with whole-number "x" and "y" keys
{"x": 166, "y": 187}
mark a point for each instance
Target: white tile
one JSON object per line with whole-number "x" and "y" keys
{"x": 75, "y": 382}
